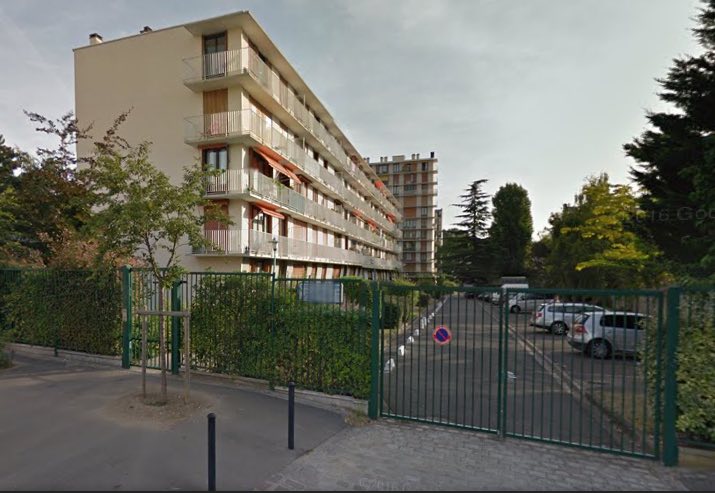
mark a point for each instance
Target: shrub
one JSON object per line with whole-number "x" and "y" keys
{"x": 320, "y": 347}
{"x": 231, "y": 324}
{"x": 357, "y": 290}
{"x": 390, "y": 315}
{"x": 74, "y": 310}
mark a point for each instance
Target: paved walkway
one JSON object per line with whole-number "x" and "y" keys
{"x": 398, "y": 456}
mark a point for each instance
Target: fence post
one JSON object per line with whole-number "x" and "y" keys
{"x": 175, "y": 327}
{"x": 670, "y": 398}
{"x": 126, "y": 314}
{"x": 374, "y": 352}
{"x": 274, "y": 350}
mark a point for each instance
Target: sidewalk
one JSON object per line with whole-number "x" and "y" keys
{"x": 399, "y": 456}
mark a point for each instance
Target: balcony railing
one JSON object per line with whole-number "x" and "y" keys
{"x": 223, "y": 64}
{"x": 253, "y": 182}
{"x": 238, "y": 123}
{"x": 259, "y": 244}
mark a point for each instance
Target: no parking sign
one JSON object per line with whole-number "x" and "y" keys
{"x": 442, "y": 335}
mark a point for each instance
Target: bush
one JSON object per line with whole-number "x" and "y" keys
{"x": 231, "y": 324}
{"x": 320, "y": 347}
{"x": 696, "y": 372}
{"x": 390, "y": 315}
{"x": 324, "y": 348}
{"x": 357, "y": 290}
{"x": 74, "y": 310}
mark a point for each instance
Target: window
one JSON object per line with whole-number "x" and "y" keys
{"x": 424, "y": 167}
{"x": 395, "y": 168}
{"x": 216, "y": 158}
{"x": 424, "y": 211}
{"x": 621, "y": 321}
{"x": 410, "y": 188}
{"x": 384, "y": 168}
{"x": 410, "y": 223}
{"x": 424, "y": 224}
{"x": 215, "y": 64}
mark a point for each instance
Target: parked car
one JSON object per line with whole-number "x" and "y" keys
{"x": 558, "y": 317}
{"x": 528, "y": 302}
{"x": 602, "y": 334}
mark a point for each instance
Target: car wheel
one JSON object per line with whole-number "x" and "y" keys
{"x": 599, "y": 349}
{"x": 558, "y": 328}
{"x": 515, "y": 309}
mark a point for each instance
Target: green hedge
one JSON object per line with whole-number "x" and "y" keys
{"x": 391, "y": 313}
{"x": 73, "y": 310}
{"x": 696, "y": 367}
{"x": 320, "y": 347}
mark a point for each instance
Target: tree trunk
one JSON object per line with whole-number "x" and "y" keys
{"x": 162, "y": 345}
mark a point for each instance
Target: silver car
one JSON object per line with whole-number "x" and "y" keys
{"x": 528, "y": 302}
{"x": 602, "y": 334}
{"x": 558, "y": 317}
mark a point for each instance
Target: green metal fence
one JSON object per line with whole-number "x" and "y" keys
{"x": 622, "y": 371}
{"x": 508, "y": 371}
{"x": 72, "y": 310}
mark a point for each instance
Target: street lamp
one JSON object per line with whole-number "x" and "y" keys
{"x": 274, "y": 241}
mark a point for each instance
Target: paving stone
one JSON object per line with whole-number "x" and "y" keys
{"x": 396, "y": 456}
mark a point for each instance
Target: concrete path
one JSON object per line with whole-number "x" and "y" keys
{"x": 59, "y": 432}
{"x": 400, "y": 456}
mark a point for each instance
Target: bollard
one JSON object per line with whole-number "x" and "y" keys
{"x": 212, "y": 452}
{"x": 291, "y": 415}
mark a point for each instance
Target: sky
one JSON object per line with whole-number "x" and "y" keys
{"x": 543, "y": 93}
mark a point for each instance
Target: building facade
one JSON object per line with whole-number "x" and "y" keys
{"x": 413, "y": 181}
{"x": 219, "y": 92}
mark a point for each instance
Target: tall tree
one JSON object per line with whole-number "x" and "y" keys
{"x": 511, "y": 229}
{"x": 676, "y": 159}
{"x": 472, "y": 244}
{"x": 592, "y": 243}
{"x": 142, "y": 214}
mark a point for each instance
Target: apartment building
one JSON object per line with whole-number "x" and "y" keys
{"x": 413, "y": 181}
{"x": 219, "y": 92}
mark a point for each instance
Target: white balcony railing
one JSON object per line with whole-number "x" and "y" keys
{"x": 249, "y": 123}
{"x": 259, "y": 244}
{"x": 254, "y": 182}
{"x": 227, "y": 63}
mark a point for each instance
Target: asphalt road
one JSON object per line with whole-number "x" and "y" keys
{"x": 457, "y": 383}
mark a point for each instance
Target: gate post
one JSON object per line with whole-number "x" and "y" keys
{"x": 670, "y": 398}
{"x": 175, "y": 327}
{"x": 374, "y": 352}
{"x": 126, "y": 314}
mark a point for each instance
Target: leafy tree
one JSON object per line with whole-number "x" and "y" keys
{"x": 141, "y": 213}
{"x": 511, "y": 229}
{"x": 49, "y": 197}
{"x": 592, "y": 243}
{"x": 676, "y": 159}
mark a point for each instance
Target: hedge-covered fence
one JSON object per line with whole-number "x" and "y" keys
{"x": 319, "y": 346}
{"x": 72, "y": 310}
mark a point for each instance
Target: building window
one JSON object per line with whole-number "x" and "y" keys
{"x": 424, "y": 211}
{"x": 384, "y": 168}
{"x": 424, "y": 224}
{"x": 395, "y": 168}
{"x": 424, "y": 166}
{"x": 410, "y": 188}
{"x": 424, "y": 188}
{"x": 216, "y": 158}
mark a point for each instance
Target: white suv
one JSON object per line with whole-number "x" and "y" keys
{"x": 527, "y": 302}
{"x": 602, "y": 334}
{"x": 558, "y": 317}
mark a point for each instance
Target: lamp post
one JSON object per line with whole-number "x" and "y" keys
{"x": 274, "y": 241}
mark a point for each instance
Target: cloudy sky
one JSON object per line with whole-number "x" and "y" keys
{"x": 541, "y": 93}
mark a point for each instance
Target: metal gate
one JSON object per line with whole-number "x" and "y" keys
{"x": 583, "y": 370}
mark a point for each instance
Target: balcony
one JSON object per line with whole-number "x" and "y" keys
{"x": 250, "y": 243}
{"x": 252, "y": 185}
{"x": 217, "y": 70}
{"x": 251, "y": 129}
